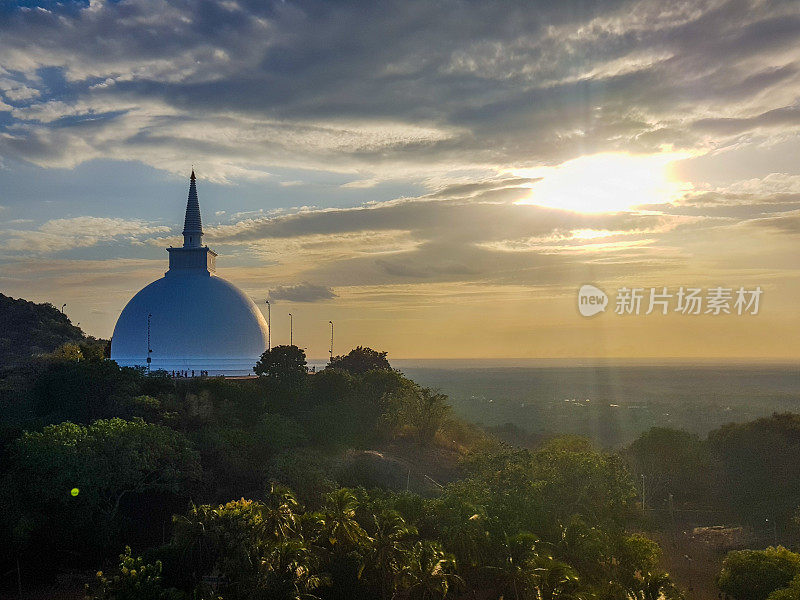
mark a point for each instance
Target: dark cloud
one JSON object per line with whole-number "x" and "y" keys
{"x": 484, "y": 237}
{"x": 308, "y": 83}
{"x": 780, "y": 117}
{"x": 460, "y": 221}
{"x": 302, "y": 292}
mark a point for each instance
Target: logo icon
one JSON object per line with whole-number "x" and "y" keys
{"x": 591, "y": 300}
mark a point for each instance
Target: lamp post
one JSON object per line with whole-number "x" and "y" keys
{"x": 63, "y": 306}
{"x": 149, "y": 349}
{"x": 774, "y": 530}
{"x": 291, "y": 342}
{"x": 269, "y": 326}
{"x": 643, "y": 507}
{"x": 331, "y": 350}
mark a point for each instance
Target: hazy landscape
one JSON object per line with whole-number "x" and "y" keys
{"x": 612, "y": 403}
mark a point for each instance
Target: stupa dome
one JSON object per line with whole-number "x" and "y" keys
{"x": 191, "y": 319}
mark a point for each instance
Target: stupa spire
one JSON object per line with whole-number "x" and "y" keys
{"x": 192, "y": 225}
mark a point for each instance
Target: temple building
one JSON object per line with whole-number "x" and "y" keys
{"x": 190, "y": 321}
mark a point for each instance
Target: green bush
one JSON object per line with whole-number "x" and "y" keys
{"x": 792, "y": 592}
{"x": 755, "y": 574}
{"x": 134, "y": 580}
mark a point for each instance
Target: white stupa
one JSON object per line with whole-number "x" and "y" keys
{"x": 190, "y": 319}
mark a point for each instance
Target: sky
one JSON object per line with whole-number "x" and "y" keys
{"x": 438, "y": 178}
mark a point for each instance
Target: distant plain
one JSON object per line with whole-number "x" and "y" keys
{"x": 610, "y": 403}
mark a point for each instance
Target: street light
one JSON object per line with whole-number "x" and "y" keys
{"x": 269, "y": 326}
{"x": 774, "y": 531}
{"x": 643, "y": 506}
{"x": 63, "y": 306}
{"x": 291, "y": 343}
{"x": 331, "y": 351}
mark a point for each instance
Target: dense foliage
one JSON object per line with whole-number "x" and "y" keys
{"x": 354, "y": 482}
{"x": 749, "y": 456}
{"x": 756, "y": 574}
{"x": 477, "y": 535}
{"x": 65, "y": 485}
{"x": 284, "y": 365}
{"x": 360, "y": 360}
{"x": 28, "y": 329}
{"x": 749, "y": 471}
{"x": 685, "y": 474}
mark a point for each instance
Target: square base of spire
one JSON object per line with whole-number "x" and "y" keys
{"x": 181, "y": 259}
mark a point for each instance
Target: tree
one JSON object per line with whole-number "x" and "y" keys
{"x": 255, "y": 548}
{"x": 134, "y": 580}
{"x": 28, "y": 329}
{"x": 636, "y": 570}
{"x": 389, "y": 549}
{"x": 514, "y": 574}
{"x": 80, "y": 391}
{"x": 284, "y": 365}
{"x": 226, "y": 540}
{"x": 360, "y": 360}
{"x": 686, "y": 474}
{"x": 288, "y": 572}
{"x": 339, "y": 527}
{"x": 555, "y": 579}
{"x": 749, "y": 455}
{"x": 430, "y": 572}
{"x": 331, "y": 386}
{"x": 792, "y": 592}
{"x": 423, "y": 411}
{"x": 279, "y": 516}
{"x": 352, "y": 410}
{"x": 71, "y": 478}
{"x": 67, "y": 352}
{"x": 755, "y": 574}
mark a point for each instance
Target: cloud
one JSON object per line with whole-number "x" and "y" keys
{"x": 491, "y": 215}
{"x": 786, "y": 116}
{"x": 401, "y": 91}
{"x": 77, "y": 232}
{"x": 402, "y": 127}
{"x": 458, "y": 233}
{"x": 302, "y": 292}
{"x": 787, "y": 222}
{"x": 742, "y": 200}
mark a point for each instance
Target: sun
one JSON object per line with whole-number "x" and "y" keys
{"x": 607, "y": 182}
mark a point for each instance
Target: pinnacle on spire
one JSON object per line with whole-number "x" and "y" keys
{"x": 192, "y": 225}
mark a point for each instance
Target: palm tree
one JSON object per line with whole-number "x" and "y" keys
{"x": 340, "y": 529}
{"x": 226, "y": 539}
{"x": 340, "y": 540}
{"x": 199, "y": 540}
{"x": 389, "y": 549}
{"x": 652, "y": 586}
{"x": 280, "y": 513}
{"x": 515, "y": 574}
{"x": 554, "y": 579}
{"x": 467, "y": 535}
{"x": 430, "y": 571}
{"x": 583, "y": 546}
{"x": 288, "y": 573}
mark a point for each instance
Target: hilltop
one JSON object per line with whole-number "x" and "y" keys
{"x": 28, "y": 329}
